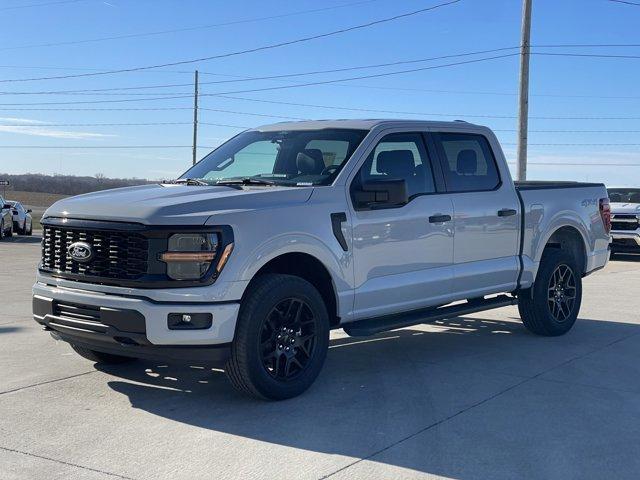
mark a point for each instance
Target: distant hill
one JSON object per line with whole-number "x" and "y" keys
{"x": 65, "y": 184}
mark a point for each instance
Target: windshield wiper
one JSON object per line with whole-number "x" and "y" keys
{"x": 191, "y": 181}
{"x": 246, "y": 181}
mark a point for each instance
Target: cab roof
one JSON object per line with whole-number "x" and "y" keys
{"x": 355, "y": 124}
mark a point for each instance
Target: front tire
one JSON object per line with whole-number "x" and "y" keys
{"x": 281, "y": 340}
{"x": 550, "y": 308}
{"x": 101, "y": 357}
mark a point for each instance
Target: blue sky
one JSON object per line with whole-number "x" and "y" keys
{"x": 560, "y": 86}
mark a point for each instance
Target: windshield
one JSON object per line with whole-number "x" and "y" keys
{"x": 291, "y": 158}
{"x": 624, "y": 195}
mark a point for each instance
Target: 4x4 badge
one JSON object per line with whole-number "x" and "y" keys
{"x": 80, "y": 252}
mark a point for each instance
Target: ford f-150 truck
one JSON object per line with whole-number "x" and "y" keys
{"x": 625, "y": 220}
{"x": 289, "y": 230}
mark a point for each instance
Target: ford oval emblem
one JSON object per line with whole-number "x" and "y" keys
{"x": 80, "y": 252}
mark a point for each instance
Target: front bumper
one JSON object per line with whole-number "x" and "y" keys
{"x": 625, "y": 241}
{"x": 133, "y": 326}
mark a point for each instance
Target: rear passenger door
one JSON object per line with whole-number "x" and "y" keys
{"x": 486, "y": 215}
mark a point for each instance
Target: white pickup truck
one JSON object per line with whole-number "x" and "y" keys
{"x": 625, "y": 220}
{"x": 289, "y": 230}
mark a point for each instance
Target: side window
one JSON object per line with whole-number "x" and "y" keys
{"x": 400, "y": 156}
{"x": 469, "y": 164}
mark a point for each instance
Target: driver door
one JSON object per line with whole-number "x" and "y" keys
{"x": 403, "y": 254}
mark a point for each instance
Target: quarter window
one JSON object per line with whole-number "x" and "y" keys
{"x": 469, "y": 164}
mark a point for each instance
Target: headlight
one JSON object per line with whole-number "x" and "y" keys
{"x": 190, "y": 255}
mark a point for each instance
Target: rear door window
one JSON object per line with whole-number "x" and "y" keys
{"x": 468, "y": 162}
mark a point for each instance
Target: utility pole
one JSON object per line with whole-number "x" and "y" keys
{"x": 195, "y": 119}
{"x": 523, "y": 109}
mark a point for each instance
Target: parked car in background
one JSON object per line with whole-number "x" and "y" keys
{"x": 22, "y": 221}
{"x": 625, "y": 219}
{"x": 6, "y": 219}
{"x": 289, "y": 230}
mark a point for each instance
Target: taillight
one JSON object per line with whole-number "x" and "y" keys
{"x": 605, "y": 213}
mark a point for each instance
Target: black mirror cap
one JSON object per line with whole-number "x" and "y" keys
{"x": 29, "y": 210}
{"x": 381, "y": 194}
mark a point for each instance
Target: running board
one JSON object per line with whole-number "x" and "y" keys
{"x": 371, "y": 326}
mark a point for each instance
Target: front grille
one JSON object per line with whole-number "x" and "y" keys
{"x": 624, "y": 222}
{"x": 117, "y": 255}
{"x": 75, "y": 311}
{"x": 73, "y": 315}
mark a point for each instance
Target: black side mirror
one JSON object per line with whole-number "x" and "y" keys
{"x": 29, "y": 210}
{"x": 6, "y": 205}
{"x": 381, "y": 194}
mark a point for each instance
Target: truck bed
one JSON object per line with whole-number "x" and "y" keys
{"x": 544, "y": 185}
{"x": 548, "y": 206}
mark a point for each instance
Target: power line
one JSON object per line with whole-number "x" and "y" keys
{"x": 93, "y": 147}
{"x": 270, "y": 77}
{"x": 580, "y": 144}
{"x": 568, "y": 164}
{"x": 280, "y": 87}
{"x": 83, "y": 102}
{"x": 251, "y": 113}
{"x": 185, "y": 29}
{"x": 377, "y": 75}
{"x": 60, "y": 2}
{"x": 626, "y": 2}
{"x": 401, "y": 112}
{"x": 44, "y": 125}
{"x": 361, "y": 67}
{"x": 242, "y": 52}
{"x": 154, "y": 109}
{"x": 592, "y": 55}
{"x": 567, "y": 131}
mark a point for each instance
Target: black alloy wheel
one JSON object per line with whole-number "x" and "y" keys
{"x": 561, "y": 292}
{"x": 288, "y": 339}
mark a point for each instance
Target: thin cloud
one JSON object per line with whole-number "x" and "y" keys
{"x": 34, "y": 128}
{"x": 19, "y": 120}
{"x": 45, "y": 132}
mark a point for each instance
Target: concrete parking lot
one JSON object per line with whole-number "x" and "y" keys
{"x": 476, "y": 397}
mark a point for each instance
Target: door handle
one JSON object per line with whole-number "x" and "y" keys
{"x": 506, "y": 212}
{"x": 439, "y": 218}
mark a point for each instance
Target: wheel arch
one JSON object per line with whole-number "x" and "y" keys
{"x": 570, "y": 239}
{"x": 309, "y": 268}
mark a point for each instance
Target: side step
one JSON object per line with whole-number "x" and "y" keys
{"x": 371, "y": 326}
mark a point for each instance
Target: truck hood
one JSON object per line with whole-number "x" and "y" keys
{"x": 625, "y": 208}
{"x": 169, "y": 204}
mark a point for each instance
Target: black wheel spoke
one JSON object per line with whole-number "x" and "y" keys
{"x": 288, "y": 339}
{"x": 561, "y": 292}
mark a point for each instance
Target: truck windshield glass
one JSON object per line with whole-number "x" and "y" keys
{"x": 624, "y": 195}
{"x": 291, "y": 158}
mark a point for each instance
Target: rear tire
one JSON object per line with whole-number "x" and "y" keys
{"x": 1, "y": 229}
{"x": 550, "y": 308}
{"x": 101, "y": 357}
{"x": 30, "y": 231}
{"x": 281, "y": 339}
{"x": 10, "y": 231}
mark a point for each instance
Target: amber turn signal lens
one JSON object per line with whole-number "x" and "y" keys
{"x": 187, "y": 256}
{"x": 224, "y": 257}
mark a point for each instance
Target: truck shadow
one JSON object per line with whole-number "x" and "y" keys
{"x": 625, "y": 257}
{"x": 377, "y": 391}
{"x": 22, "y": 239}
